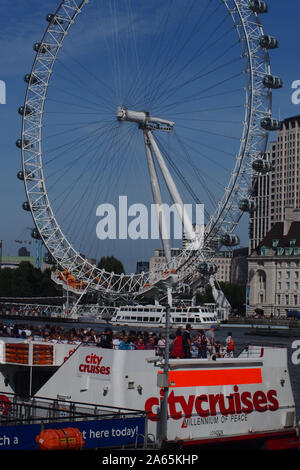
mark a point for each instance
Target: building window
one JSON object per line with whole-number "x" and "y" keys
{"x": 287, "y": 298}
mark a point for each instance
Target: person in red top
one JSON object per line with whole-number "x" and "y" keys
{"x": 177, "y": 349}
{"x": 140, "y": 344}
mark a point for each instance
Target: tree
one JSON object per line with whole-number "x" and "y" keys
{"x": 111, "y": 265}
{"x": 234, "y": 293}
{"x": 26, "y": 281}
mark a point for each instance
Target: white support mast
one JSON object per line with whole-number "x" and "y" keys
{"x": 176, "y": 198}
{"x": 164, "y": 232}
{"x": 148, "y": 124}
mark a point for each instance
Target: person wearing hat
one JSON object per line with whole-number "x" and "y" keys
{"x": 210, "y": 335}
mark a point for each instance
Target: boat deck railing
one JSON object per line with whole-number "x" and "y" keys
{"x": 15, "y": 410}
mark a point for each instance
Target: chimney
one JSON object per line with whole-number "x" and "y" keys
{"x": 290, "y": 215}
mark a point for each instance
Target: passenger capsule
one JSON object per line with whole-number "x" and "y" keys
{"x": 270, "y": 124}
{"x": 25, "y": 145}
{"x": 32, "y": 79}
{"x": 26, "y": 206}
{"x": 258, "y": 7}
{"x": 229, "y": 240}
{"x": 54, "y": 19}
{"x": 261, "y": 166}
{"x": 49, "y": 259}
{"x": 25, "y": 110}
{"x": 42, "y": 48}
{"x": 270, "y": 81}
{"x": 202, "y": 268}
{"x": 268, "y": 42}
{"x": 212, "y": 268}
{"x": 247, "y": 205}
{"x": 35, "y": 234}
{"x": 29, "y": 175}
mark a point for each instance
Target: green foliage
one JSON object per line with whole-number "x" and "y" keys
{"x": 235, "y": 294}
{"x": 111, "y": 265}
{"x": 26, "y": 281}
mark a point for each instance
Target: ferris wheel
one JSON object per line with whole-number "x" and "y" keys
{"x": 172, "y": 97}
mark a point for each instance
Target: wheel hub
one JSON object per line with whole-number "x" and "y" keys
{"x": 144, "y": 120}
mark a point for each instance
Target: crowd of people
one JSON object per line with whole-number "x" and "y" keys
{"x": 183, "y": 344}
{"x": 203, "y": 345}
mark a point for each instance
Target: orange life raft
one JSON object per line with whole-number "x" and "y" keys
{"x": 60, "y": 439}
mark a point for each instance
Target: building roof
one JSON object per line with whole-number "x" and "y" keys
{"x": 276, "y": 233}
{"x": 291, "y": 120}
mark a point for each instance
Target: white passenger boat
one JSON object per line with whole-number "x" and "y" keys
{"x": 199, "y": 317}
{"x": 242, "y": 400}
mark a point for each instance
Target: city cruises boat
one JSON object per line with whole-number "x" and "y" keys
{"x": 236, "y": 401}
{"x": 154, "y": 316}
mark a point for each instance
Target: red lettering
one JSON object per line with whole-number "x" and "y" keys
{"x": 107, "y": 372}
{"x": 246, "y": 400}
{"x": 260, "y": 401}
{"x": 274, "y": 402}
{"x": 172, "y": 400}
{"x": 102, "y": 370}
{"x": 237, "y": 400}
{"x": 187, "y": 406}
{"x": 236, "y": 403}
{"x": 226, "y": 411}
{"x": 88, "y": 359}
{"x": 148, "y": 408}
{"x": 213, "y": 400}
{"x": 198, "y": 405}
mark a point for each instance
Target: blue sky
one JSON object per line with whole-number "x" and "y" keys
{"x": 22, "y": 23}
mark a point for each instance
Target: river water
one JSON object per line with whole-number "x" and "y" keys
{"x": 242, "y": 337}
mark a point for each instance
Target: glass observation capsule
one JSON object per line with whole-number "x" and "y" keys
{"x": 270, "y": 124}
{"x": 35, "y": 234}
{"x": 54, "y": 19}
{"x": 202, "y": 268}
{"x": 48, "y": 259}
{"x": 26, "y": 206}
{"x": 25, "y": 110}
{"x": 268, "y": 42}
{"x": 207, "y": 268}
{"x": 38, "y": 47}
{"x": 261, "y": 166}
{"x": 270, "y": 81}
{"x": 20, "y": 175}
{"x": 32, "y": 79}
{"x": 258, "y": 7}
{"x": 229, "y": 240}
{"x": 212, "y": 268}
{"x": 247, "y": 205}
{"x": 25, "y": 145}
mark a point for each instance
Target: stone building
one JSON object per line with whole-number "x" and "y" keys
{"x": 274, "y": 269}
{"x": 279, "y": 188}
